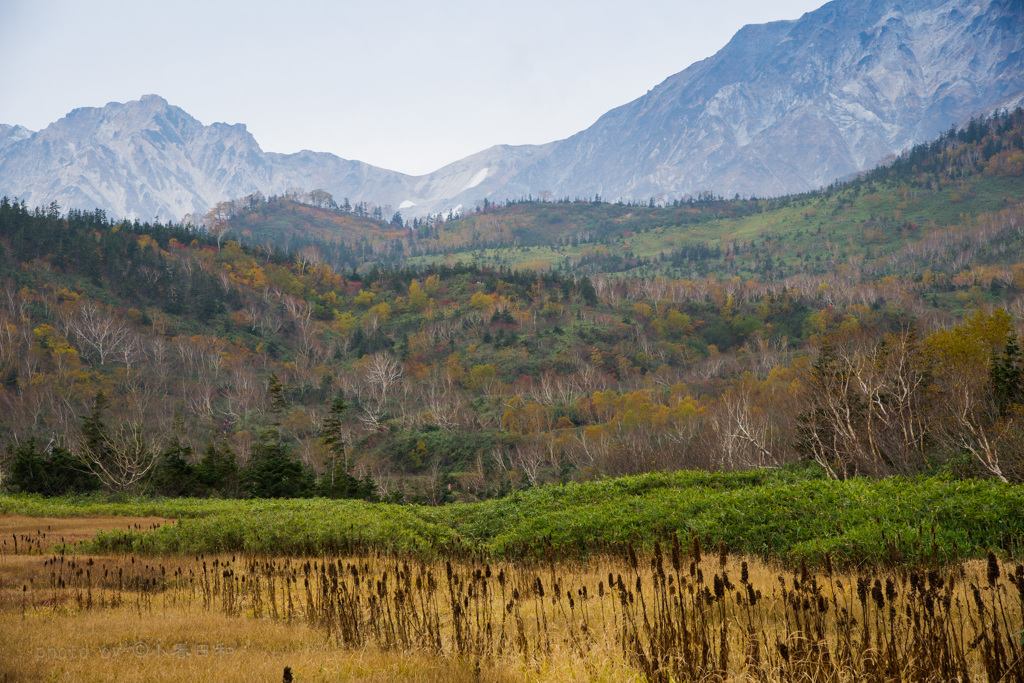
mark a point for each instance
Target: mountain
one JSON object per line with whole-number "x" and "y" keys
{"x": 149, "y": 158}
{"x": 12, "y": 134}
{"x": 792, "y": 105}
{"x": 785, "y": 107}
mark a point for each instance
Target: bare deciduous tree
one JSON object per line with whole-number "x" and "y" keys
{"x": 381, "y": 372}
{"x": 121, "y": 456}
{"x": 98, "y": 331}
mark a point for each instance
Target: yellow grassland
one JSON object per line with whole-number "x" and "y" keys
{"x": 672, "y": 614}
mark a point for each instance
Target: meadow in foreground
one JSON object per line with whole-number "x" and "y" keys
{"x": 674, "y": 612}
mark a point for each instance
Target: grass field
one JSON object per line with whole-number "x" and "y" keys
{"x": 765, "y": 575}
{"x": 675, "y": 613}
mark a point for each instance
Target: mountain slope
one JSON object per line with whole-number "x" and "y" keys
{"x": 149, "y": 158}
{"x": 784, "y": 107}
{"x": 793, "y": 105}
{"x": 12, "y": 134}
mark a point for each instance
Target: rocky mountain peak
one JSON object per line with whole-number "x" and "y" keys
{"x": 784, "y": 107}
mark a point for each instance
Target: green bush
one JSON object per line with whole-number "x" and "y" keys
{"x": 785, "y": 515}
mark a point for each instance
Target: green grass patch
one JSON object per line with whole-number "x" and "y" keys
{"x": 785, "y": 515}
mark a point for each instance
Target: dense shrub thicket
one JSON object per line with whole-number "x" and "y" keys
{"x": 774, "y": 514}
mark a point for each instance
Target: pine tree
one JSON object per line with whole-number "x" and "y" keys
{"x": 333, "y": 435}
{"x": 1007, "y": 375}
{"x": 271, "y": 471}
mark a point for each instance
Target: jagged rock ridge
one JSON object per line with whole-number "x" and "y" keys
{"x": 784, "y": 107}
{"x": 793, "y": 105}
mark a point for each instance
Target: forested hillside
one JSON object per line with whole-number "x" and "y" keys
{"x": 877, "y": 222}
{"x": 868, "y": 329}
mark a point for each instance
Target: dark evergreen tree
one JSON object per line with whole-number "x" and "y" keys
{"x": 218, "y": 470}
{"x": 273, "y": 473}
{"x": 175, "y": 476}
{"x": 50, "y": 472}
{"x": 333, "y": 436}
{"x": 1007, "y": 376}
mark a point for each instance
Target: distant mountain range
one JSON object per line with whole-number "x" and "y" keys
{"x": 784, "y": 107}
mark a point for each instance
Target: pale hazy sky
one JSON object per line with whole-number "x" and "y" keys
{"x": 401, "y": 84}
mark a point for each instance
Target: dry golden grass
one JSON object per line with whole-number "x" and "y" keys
{"x": 39, "y": 533}
{"x": 671, "y": 615}
{"x": 39, "y": 647}
{"x": 85, "y": 647}
{"x": 54, "y": 633}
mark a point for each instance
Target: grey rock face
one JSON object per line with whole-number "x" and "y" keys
{"x": 149, "y": 158}
{"x": 791, "y": 106}
{"x": 784, "y": 107}
{"x": 11, "y": 134}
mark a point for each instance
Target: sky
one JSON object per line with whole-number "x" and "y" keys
{"x": 403, "y": 84}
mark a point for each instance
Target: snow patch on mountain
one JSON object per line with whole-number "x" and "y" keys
{"x": 480, "y": 176}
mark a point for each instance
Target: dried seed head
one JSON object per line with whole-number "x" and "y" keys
{"x": 977, "y": 599}
{"x": 993, "y": 568}
{"x": 876, "y": 594}
{"x": 1018, "y": 580}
